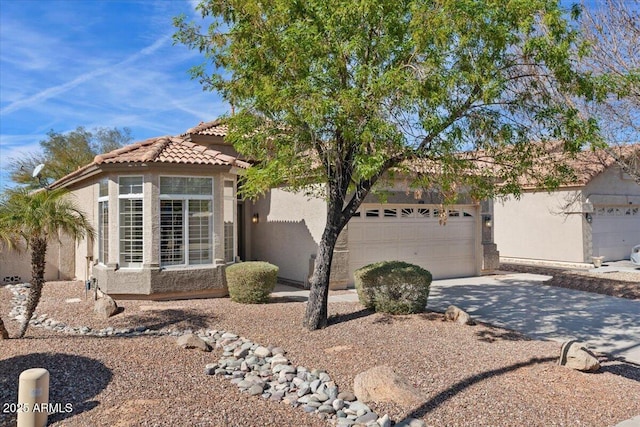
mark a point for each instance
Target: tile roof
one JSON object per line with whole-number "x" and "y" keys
{"x": 163, "y": 149}
{"x": 586, "y": 165}
{"x": 169, "y": 149}
{"x": 215, "y": 127}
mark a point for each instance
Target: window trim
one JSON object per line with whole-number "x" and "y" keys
{"x": 101, "y": 240}
{"x": 234, "y": 202}
{"x": 130, "y": 196}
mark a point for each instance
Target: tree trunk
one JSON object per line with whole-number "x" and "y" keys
{"x": 4, "y": 334}
{"x": 317, "y": 307}
{"x": 38, "y": 252}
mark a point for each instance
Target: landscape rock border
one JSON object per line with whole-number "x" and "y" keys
{"x": 255, "y": 369}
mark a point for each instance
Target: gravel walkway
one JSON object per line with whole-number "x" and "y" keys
{"x": 470, "y": 375}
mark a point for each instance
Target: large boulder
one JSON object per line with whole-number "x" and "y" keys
{"x": 456, "y": 314}
{"x": 190, "y": 341}
{"x": 575, "y": 355}
{"x": 105, "y": 307}
{"x": 382, "y": 384}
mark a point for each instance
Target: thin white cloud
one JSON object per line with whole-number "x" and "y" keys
{"x": 14, "y": 146}
{"x": 57, "y": 90}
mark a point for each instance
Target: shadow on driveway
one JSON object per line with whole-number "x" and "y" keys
{"x": 607, "y": 324}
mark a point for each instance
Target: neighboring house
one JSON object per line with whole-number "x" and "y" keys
{"x": 168, "y": 220}
{"x": 597, "y": 215}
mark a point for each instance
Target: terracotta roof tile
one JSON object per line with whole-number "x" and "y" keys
{"x": 168, "y": 149}
{"x": 586, "y": 164}
{"x": 215, "y": 128}
{"x": 164, "y": 149}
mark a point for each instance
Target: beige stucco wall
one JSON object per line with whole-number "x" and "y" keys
{"x": 613, "y": 182}
{"x": 86, "y": 199}
{"x": 288, "y": 232}
{"x": 15, "y": 265}
{"x": 534, "y": 227}
{"x": 612, "y": 237}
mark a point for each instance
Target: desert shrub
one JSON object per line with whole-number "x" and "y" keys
{"x": 251, "y": 282}
{"x": 394, "y": 287}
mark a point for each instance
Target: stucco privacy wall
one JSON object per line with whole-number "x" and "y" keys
{"x": 288, "y": 232}
{"x": 15, "y": 265}
{"x": 535, "y": 227}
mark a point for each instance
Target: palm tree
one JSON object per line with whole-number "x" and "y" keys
{"x": 37, "y": 216}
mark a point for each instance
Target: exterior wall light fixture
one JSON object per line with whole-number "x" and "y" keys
{"x": 487, "y": 221}
{"x": 588, "y": 217}
{"x": 255, "y": 218}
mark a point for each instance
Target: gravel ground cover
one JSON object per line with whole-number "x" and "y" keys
{"x": 469, "y": 375}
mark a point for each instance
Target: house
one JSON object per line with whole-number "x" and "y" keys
{"x": 595, "y": 215}
{"x": 168, "y": 220}
{"x": 165, "y": 214}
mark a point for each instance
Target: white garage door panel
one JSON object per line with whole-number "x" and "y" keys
{"x": 417, "y": 238}
{"x": 615, "y": 230}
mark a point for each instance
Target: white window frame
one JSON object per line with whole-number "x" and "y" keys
{"x": 185, "y": 198}
{"x": 103, "y": 249}
{"x": 233, "y": 199}
{"x": 130, "y": 196}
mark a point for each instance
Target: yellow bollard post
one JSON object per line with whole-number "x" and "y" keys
{"x": 33, "y": 398}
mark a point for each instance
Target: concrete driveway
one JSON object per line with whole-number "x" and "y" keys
{"x": 519, "y": 302}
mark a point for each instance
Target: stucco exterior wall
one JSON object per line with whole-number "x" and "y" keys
{"x": 534, "y": 227}
{"x": 86, "y": 199}
{"x": 288, "y": 232}
{"x": 15, "y": 265}
{"x": 613, "y": 182}
{"x": 610, "y": 236}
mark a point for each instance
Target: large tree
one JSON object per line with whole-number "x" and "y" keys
{"x": 37, "y": 217}
{"x": 449, "y": 92}
{"x": 612, "y": 29}
{"x": 63, "y": 153}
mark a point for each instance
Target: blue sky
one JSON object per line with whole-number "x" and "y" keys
{"x": 95, "y": 63}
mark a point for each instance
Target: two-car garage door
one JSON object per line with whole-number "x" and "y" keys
{"x": 615, "y": 230}
{"x": 415, "y": 234}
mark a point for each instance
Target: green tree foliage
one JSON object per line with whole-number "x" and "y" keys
{"x": 36, "y": 217}
{"x": 63, "y": 153}
{"x": 450, "y": 92}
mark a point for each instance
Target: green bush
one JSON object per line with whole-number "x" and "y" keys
{"x": 251, "y": 282}
{"x": 394, "y": 287}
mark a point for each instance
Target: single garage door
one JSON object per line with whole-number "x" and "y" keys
{"x": 615, "y": 230}
{"x": 413, "y": 233}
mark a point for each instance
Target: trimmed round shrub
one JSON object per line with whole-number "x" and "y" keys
{"x": 251, "y": 282}
{"x": 393, "y": 287}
